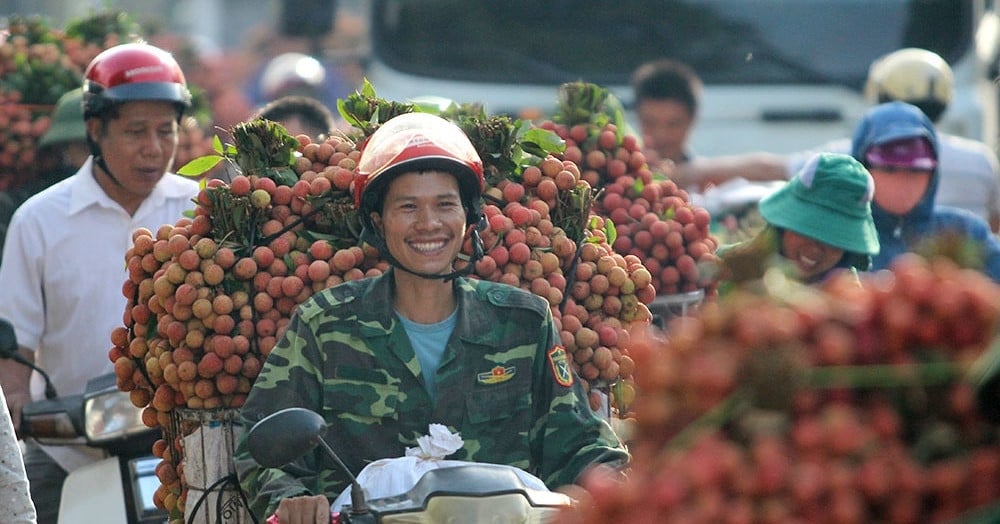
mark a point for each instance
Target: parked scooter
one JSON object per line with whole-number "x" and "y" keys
{"x": 467, "y": 493}
{"x": 116, "y": 490}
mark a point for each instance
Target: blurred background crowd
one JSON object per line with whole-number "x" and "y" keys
{"x": 237, "y": 55}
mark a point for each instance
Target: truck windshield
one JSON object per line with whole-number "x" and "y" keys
{"x": 602, "y": 41}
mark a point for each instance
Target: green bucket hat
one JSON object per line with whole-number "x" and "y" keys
{"x": 67, "y": 120}
{"x": 828, "y": 200}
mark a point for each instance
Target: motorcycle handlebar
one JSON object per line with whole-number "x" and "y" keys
{"x": 9, "y": 349}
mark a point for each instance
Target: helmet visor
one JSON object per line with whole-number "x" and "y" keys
{"x": 909, "y": 153}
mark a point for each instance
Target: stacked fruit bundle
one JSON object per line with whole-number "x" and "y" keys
{"x": 38, "y": 64}
{"x": 655, "y": 219}
{"x": 592, "y": 289}
{"x": 846, "y": 404}
{"x": 209, "y": 296}
{"x": 595, "y": 293}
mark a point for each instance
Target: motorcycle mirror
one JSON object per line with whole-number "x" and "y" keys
{"x": 10, "y": 350}
{"x": 8, "y": 340}
{"x": 284, "y": 436}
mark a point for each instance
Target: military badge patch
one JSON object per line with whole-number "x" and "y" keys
{"x": 559, "y": 363}
{"x": 496, "y": 375}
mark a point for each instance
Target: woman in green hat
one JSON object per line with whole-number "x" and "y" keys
{"x": 817, "y": 223}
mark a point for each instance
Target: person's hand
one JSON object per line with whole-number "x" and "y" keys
{"x": 688, "y": 176}
{"x": 307, "y": 509}
{"x": 15, "y": 402}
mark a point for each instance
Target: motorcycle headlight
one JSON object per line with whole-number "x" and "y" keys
{"x": 110, "y": 416}
{"x": 511, "y": 508}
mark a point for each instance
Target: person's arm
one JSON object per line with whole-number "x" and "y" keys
{"x": 993, "y": 195}
{"x": 573, "y": 438}
{"x": 16, "y": 379}
{"x": 703, "y": 172}
{"x": 15, "y": 497}
{"x": 22, "y": 282}
{"x": 271, "y": 489}
{"x": 979, "y": 233}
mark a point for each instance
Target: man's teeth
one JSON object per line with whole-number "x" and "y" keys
{"x": 427, "y": 246}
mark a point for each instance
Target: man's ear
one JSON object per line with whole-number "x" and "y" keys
{"x": 376, "y": 220}
{"x": 94, "y": 128}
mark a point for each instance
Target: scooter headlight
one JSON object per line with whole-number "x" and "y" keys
{"x": 510, "y": 508}
{"x": 110, "y": 415}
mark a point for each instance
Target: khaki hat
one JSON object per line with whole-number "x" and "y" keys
{"x": 67, "y": 120}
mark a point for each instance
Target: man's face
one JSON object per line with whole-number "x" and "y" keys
{"x": 665, "y": 125}
{"x": 423, "y": 221}
{"x": 190, "y": 145}
{"x": 139, "y": 145}
{"x": 899, "y": 190}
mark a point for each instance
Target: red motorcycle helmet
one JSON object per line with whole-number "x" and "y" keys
{"x": 417, "y": 142}
{"x": 133, "y": 71}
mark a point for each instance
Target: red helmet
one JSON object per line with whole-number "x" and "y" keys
{"x": 129, "y": 72}
{"x": 417, "y": 142}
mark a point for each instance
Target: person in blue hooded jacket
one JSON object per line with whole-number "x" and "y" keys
{"x": 899, "y": 146}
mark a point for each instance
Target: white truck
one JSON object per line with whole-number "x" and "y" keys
{"x": 779, "y": 75}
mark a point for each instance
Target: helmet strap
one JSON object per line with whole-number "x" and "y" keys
{"x": 95, "y": 151}
{"x": 99, "y": 161}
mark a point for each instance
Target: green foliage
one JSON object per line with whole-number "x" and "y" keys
{"x": 37, "y": 74}
{"x": 586, "y": 103}
{"x": 261, "y": 147}
{"x": 366, "y": 112}
{"x": 96, "y": 28}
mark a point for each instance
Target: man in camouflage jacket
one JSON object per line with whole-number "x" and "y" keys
{"x": 505, "y": 386}
{"x": 382, "y": 358}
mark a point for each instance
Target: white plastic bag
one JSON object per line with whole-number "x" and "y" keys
{"x": 392, "y": 476}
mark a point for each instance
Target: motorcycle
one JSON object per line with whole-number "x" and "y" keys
{"x": 470, "y": 492}
{"x": 103, "y": 417}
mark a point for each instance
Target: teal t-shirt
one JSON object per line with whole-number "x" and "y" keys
{"x": 429, "y": 341}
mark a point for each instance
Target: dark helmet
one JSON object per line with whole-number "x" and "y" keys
{"x": 129, "y": 72}
{"x": 417, "y": 142}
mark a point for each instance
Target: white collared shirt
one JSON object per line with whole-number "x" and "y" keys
{"x": 63, "y": 270}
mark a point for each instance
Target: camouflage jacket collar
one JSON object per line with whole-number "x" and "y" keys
{"x": 377, "y": 318}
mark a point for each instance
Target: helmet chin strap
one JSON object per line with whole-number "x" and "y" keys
{"x": 99, "y": 161}
{"x": 95, "y": 151}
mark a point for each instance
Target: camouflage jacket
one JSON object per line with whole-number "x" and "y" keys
{"x": 504, "y": 384}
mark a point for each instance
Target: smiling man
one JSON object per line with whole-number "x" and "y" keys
{"x": 63, "y": 261}
{"x": 382, "y": 358}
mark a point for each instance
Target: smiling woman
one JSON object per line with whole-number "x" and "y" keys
{"x": 817, "y": 223}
